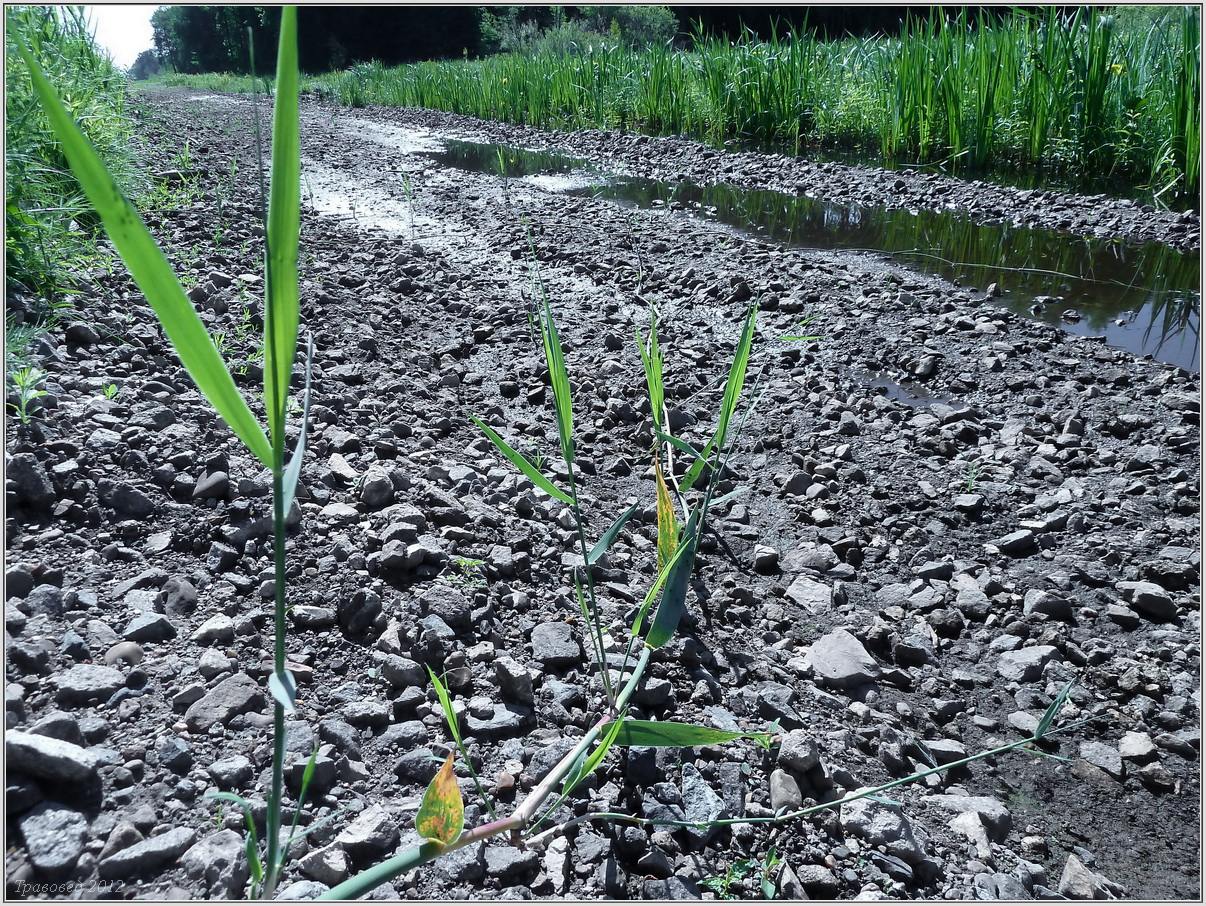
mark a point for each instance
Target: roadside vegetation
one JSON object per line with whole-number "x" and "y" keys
{"x": 50, "y": 229}
{"x": 1078, "y": 93}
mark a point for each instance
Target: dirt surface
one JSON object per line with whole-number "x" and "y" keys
{"x": 948, "y": 509}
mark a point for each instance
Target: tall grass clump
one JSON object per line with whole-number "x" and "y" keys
{"x": 49, "y": 225}
{"x": 1078, "y": 92}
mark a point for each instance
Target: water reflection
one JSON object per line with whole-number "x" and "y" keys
{"x": 1143, "y": 298}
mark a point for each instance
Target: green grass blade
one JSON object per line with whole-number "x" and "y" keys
{"x": 293, "y": 470}
{"x": 554, "y": 357}
{"x": 151, "y": 272}
{"x": 728, "y": 406}
{"x": 672, "y": 734}
{"x": 446, "y": 705}
{"x": 674, "y": 600}
{"x": 679, "y": 444}
{"x": 650, "y": 596}
{"x": 651, "y": 360}
{"x": 609, "y": 537}
{"x": 1053, "y": 710}
{"x": 281, "y": 308}
{"x": 520, "y": 462}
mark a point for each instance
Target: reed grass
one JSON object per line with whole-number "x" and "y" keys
{"x": 1070, "y": 92}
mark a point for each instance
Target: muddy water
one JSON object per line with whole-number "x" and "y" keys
{"x": 1145, "y": 299}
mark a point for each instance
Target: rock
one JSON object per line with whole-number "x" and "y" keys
{"x": 212, "y": 485}
{"x": 124, "y": 652}
{"x": 514, "y": 680}
{"x": 29, "y": 481}
{"x": 220, "y": 862}
{"x": 217, "y": 630}
{"x": 554, "y": 645}
{"x": 1079, "y": 883}
{"x": 881, "y": 824}
{"x": 992, "y": 812}
{"x": 357, "y": 613}
{"x": 149, "y": 856}
{"x": 302, "y": 890}
{"x": 510, "y": 865}
{"x": 60, "y": 725}
{"x": 231, "y": 772}
{"x": 149, "y": 627}
{"x": 784, "y": 791}
{"x": 1150, "y": 600}
{"x": 798, "y": 752}
{"x": 1102, "y": 756}
{"x": 54, "y": 839}
{"x": 1048, "y": 604}
{"x": 179, "y": 597}
{"x": 1026, "y": 664}
{"x": 810, "y": 594}
{"x": 130, "y": 502}
{"x": 841, "y": 661}
{"x": 1015, "y": 544}
{"x": 235, "y": 695}
{"x": 400, "y": 672}
{"x": 48, "y": 758}
{"x": 329, "y": 865}
{"x": 175, "y": 754}
{"x": 377, "y": 491}
{"x": 1136, "y": 747}
{"x": 44, "y": 600}
{"x": 372, "y": 835}
{"x": 766, "y": 559}
{"x": 700, "y": 802}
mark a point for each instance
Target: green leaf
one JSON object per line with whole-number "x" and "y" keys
{"x": 151, "y": 272}
{"x": 655, "y": 588}
{"x": 554, "y": 358}
{"x": 293, "y": 470}
{"x": 441, "y": 814}
{"x": 520, "y": 462}
{"x": 281, "y": 303}
{"x": 284, "y": 689}
{"x": 728, "y": 405}
{"x": 446, "y": 705}
{"x": 679, "y": 444}
{"x": 651, "y": 360}
{"x": 667, "y": 519}
{"x": 667, "y": 733}
{"x": 1053, "y": 710}
{"x": 732, "y": 495}
{"x": 674, "y": 599}
{"x": 609, "y": 537}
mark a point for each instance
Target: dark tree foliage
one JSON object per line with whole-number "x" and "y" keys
{"x": 145, "y": 65}
{"x": 214, "y": 38}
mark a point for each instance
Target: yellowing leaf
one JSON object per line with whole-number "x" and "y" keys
{"x": 441, "y": 815}
{"x": 667, "y": 524}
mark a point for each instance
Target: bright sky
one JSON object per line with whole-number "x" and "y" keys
{"x": 122, "y": 30}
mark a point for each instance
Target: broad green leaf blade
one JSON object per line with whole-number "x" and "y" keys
{"x": 667, "y": 520}
{"x": 281, "y": 304}
{"x": 446, "y": 706}
{"x": 667, "y": 733}
{"x": 520, "y": 462}
{"x": 609, "y": 537}
{"x": 284, "y": 689}
{"x": 151, "y": 272}
{"x": 650, "y": 596}
{"x": 293, "y": 470}
{"x": 584, "y": 767}
{"x": 554, "y": 358}
{"x": 441, "y": 814}
{"x": 728, "y": 405}
{"x": 674, "y": 600}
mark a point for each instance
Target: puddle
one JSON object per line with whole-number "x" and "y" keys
{"x": 1142, "y": 298}
{"x": 904, "y": 392}
{"x": 515, "y": 162}
{"x": 323, "y": 189}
